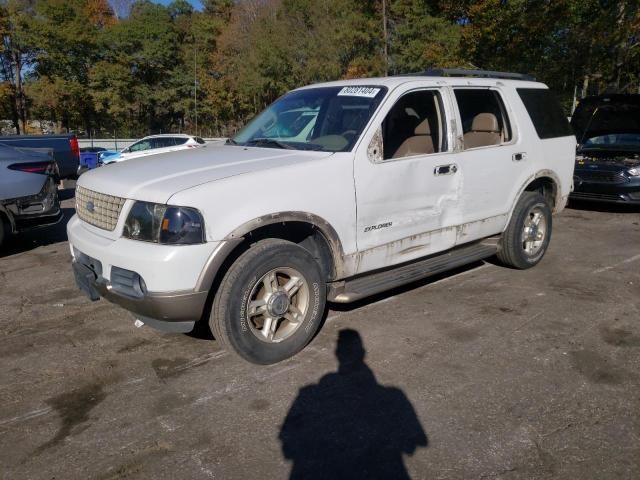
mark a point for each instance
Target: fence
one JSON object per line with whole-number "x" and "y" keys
{"x": 120, "y": 143}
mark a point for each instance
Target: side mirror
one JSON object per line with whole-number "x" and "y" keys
{"x": 126, "y": 150}
{"x": 375, "y": 152}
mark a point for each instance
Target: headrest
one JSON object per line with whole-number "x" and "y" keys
{"x": 423, "y": 128}
{"x": 411, "y": 112}
{"x": 485, "y": 122}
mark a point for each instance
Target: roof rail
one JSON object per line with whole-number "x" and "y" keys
{"x": 461, "y": 72}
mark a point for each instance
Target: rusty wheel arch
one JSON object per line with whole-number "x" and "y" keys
{"x": 307, "y": 229}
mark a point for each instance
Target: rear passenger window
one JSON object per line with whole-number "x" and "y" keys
{"x": 484, "y": 118}
{"x": 545, "y": 112}
{"x": 414, "y": 126}
{"x": 161, "y": 142}
{"x": 180, "y": 140}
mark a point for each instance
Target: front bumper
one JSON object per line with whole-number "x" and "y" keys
{"x": 626, "y": 191}
{"x": 165, "y": 286}
{"x": 168, "y": 311}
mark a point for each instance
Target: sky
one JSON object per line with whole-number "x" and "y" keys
{"x": 196, "y": 3}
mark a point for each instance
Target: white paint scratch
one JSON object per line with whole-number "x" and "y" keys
{"x": 615, "y": 265}
{"x": 27, "y": 416}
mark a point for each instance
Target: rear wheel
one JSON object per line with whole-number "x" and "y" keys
{"x": 527, "y": 236}
{"x": 270, "y": 302}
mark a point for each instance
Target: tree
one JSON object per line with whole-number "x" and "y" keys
{"x": 67, "y": 32}
{"x": 133, "y": 79}
{"x": 17, "y": 56}
{"x": 419, "y": 40}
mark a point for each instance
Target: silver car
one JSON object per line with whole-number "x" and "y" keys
{"x": 28, "y": 190}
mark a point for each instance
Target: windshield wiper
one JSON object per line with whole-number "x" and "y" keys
{"x": 267, "y": 142}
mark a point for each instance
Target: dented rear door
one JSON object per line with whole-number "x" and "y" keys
{"x": 407, "y": 207}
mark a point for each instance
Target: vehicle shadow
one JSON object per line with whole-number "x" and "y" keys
{"x": 348, "y": 425}
{"x": 25, "y": 241}
{"x": 66, "y": 193}
{"x": 603, "y": 207}
{"x": 202, "y": 331}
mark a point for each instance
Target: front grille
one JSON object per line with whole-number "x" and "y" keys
{"x": 595, "y": 196}
{"x": 98, "y": 209}
{"x": 596, "y": 176}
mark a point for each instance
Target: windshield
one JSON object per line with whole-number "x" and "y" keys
{"x": 330, "y": 119}
{"x": 614, "y": 140}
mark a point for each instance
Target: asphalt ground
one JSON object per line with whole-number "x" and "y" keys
{"x": 483, "y": 373}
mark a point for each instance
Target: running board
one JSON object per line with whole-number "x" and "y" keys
{"x": 350, "y": 290}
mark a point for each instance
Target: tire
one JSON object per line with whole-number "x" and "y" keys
{"x": 525, "y": 241}
{"x": 252, "y": 297}
{"x": 3, "y": 230}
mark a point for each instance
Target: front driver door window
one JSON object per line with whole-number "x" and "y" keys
{"x": 140, "y": 146}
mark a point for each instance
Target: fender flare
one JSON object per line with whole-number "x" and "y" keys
{"x": 237, "y": 236}
{"x": 542, "y": 173}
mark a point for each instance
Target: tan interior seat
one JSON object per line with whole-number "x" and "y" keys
{"x": 484, "y": 131}
{"x": 420, "y": 143}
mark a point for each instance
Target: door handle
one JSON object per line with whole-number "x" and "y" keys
{"x": 518, "y": 157}
{"x": 445, "y": 169}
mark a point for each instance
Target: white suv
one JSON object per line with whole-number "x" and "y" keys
{"x": 153, "y": 145}
{"x": 396, "y": 179}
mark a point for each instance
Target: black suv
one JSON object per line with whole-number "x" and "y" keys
{"x": 607, "y": 128}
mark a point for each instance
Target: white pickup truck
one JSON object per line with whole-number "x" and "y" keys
{"x": 335, "y": 192}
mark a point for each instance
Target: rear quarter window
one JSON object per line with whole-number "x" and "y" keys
{"x": 545, "y": 112}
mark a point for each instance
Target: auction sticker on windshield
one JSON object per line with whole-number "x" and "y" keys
{"x": 368, "y": 92}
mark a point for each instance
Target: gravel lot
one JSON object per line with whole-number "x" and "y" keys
{"x": 484, "y": 373}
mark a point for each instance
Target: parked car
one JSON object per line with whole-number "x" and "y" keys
{"x": 89, "y": 158}
{"x": 400, "y": 178}
{"x": 153, "y": 145}
{"x": 608, "y": 155}
{"x": 66, "y": 151}
{"x": 28, "y": 190}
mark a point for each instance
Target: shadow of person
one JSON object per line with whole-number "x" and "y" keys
{"x": 348, "y": 425}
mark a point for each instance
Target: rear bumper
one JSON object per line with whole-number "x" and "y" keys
{"x": 168, "y": 311}
{"x": 34, "y": 211}
{"x": 29, "y": 223}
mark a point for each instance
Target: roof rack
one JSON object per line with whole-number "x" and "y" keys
{"x": 461, "y": 72}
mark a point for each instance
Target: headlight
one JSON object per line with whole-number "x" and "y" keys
{"x": 152, "y": 222}
{"x": 634, "y": 172}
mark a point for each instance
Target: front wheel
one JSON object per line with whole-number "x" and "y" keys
{"x": 270, "y": 302}
{"x": 526, "y": 239}
{"x": 3, "y": 229}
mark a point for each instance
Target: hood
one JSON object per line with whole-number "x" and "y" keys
{"x": 156, "y": 178}
{"x": 606, "y": 114}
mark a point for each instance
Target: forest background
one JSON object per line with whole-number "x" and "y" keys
{"x": 131, "y": 68}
